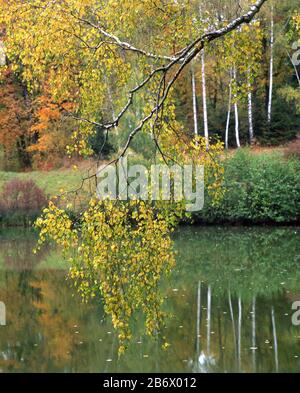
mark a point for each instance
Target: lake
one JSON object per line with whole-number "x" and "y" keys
{"x": 229, "y": 301}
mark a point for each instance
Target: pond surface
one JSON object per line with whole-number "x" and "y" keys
{"x": 230, "y": 299}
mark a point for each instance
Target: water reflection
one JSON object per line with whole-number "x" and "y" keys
{"x": 231, "y": 298}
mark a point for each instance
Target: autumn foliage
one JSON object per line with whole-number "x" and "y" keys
{"x": 50, "y": 132}
{"x": 15, "y": 120}
{"x": 33, "y": 132}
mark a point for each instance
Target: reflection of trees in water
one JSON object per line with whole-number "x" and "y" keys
{"x": 242, "y": 302}
{"x": 41, "y": 315}
{"x": 254, "y": 334}
{"x": 135, "y": 294}
{"x": 14, "y": 290}
{"x": 250, "y": 271}
{"x": 233, "y": 334}
{"x": 275, "y": 339}
{"x": 203, "y": 360}
{"x": 43, "y": 320}
{"x": 245, "y": 269}
{"x": 248, "y": 260}
{"x": 17, "y": 253}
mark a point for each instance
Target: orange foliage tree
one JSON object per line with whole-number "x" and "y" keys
{"x": 15, "y": 120}
{"x": 50, "y": 131}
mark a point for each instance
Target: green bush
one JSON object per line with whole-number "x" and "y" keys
{"x": 259, "y": 189}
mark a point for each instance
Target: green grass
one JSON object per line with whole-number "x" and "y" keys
{"x": 51, "y": 182}
{"x": 261, "y": 187}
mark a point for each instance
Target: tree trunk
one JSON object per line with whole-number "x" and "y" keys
{"x": 204, "y": 97}
{"x": 236, "y": 114}
{"x": 271, "y": 67}
{"x": 233, "y": 324}
{"x": 275, "y": 344}
{"x": 195, "y": 111}
{"x": 208, "y": 319}
{"x": 239, "y": 332}
{"x": 198, "y": 318}
{"x": 254, "y": 334}
{"x": 250, "y": 111}
{"x": 229, "y": 111}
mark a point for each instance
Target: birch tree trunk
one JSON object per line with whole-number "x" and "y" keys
{"x": 271, "y": 66}
{"x": 204, "y": 98}
{"x": 233, "y": 325}
{"x": 236, "y": 114}
{"x": 250, "y": 111}
{"x": 239, "y": 332}
{"x": 254, "y": 334}
{"x": 229, "y": 111}
{"x": 198, "y": 318}
{"x": 195, "y": 111}
{"x": 208, "y": 319}
{"x": 275, "y": 344}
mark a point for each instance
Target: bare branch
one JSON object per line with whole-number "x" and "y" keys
{"x": 188, "y": 55}
{"x": 123, "y": 44}
{"x": 181, "y": 60}
{"x": 185, "y": 57}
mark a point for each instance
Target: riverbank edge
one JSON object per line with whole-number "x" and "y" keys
{"x": 29, "y": 223}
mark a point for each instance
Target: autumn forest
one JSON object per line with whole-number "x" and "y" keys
{"x": 149, "y": 186}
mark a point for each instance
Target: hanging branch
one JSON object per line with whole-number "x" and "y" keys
{"x": 170, "y": 71}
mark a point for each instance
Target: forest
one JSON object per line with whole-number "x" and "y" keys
{"x": 86, "y": 85}
{"x": 72, "y": 92}
{"x": 52, "y": 67}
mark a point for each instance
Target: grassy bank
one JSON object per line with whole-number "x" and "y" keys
{"x": 259, "y": 188}
{"x": 51, "y": 182}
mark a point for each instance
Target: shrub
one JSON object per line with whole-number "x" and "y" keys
{"x": 259, "y": 189}
{"x": 21, "y": 201}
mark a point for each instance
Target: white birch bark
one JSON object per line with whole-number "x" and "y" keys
{"x": 275, "y": 339}
{"x": 195, "y": 111}
{"x": 204, "y": 98}
{"x": 229, "y": 112}
{"x": 236, "y": 114}
{"x": 233, "y": 324}
{"x": 198, "y": 317}
{"x": 239, "y": 333}
{"x": 250, "y": 111}
{"x": 271, "y": 66}
{"x": 208, "y": 319}
{"x": 254, "y": 334}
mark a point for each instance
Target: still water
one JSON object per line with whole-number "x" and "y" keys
{"x": 230, "y": 303}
